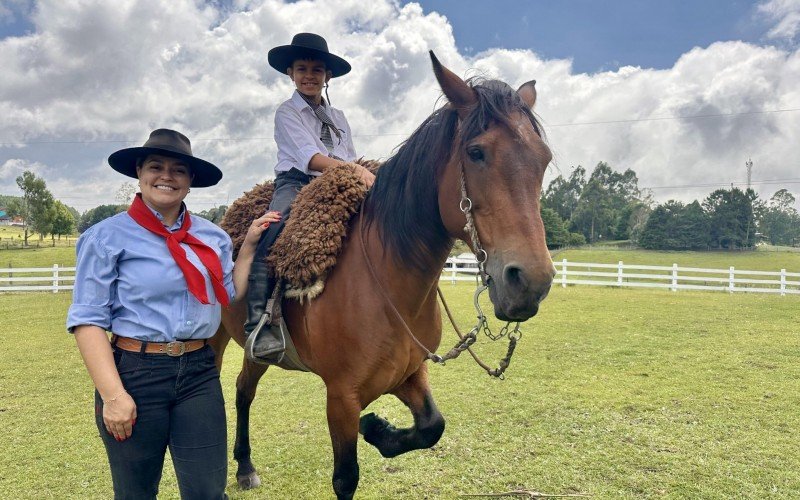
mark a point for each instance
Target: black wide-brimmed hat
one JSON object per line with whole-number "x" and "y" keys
{"x": 307, "y": 46}
{"x": 168, "y": 143}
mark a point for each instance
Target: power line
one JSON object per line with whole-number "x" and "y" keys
{"x": 392, "y": 134}
{"x": 678, "y": 117}
{"x": 792, "y": 180}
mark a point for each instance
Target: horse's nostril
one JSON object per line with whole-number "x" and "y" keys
{"x": 514, "y": 276}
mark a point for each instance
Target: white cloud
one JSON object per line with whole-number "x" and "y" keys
{"x": 11, "y": 169}
{"x": 100, "y": 71}
{"x": 785, "y": 14}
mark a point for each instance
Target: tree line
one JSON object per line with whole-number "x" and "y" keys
{"x": 609, "y": 205}
{"x": 579, "y": 208}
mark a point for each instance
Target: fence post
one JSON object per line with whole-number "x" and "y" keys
{"x": 564, "y": 273}
{"x": 55, "y": 278}
{"x": 674, "y": 286}
{"x": 783, "y": 282}
{"x": 619, "y": 274}
{"x": 452, "y": 272}
{"x": 731, "y": 282}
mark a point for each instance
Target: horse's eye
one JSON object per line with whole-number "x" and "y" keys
{"x": 475, "y": 153}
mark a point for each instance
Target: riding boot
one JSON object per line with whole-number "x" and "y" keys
{"x": 263, "y": 343}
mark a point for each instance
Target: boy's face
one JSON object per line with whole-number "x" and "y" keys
{"x": 309, "y": 76}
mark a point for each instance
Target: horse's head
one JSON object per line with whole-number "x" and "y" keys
{"x": 502, "y": 156}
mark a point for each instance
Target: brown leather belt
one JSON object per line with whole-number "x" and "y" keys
{"x": 177, "y": 348}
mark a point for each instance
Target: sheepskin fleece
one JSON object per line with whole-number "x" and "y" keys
{"x": 247, "y": 208}
{"x": 307, "y": 249}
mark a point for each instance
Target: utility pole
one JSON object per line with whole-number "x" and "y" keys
{"x": 749, "y": 165}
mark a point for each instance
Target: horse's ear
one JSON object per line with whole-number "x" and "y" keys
{"x": 460, "y": 95}
{"x": 527, "y": 91}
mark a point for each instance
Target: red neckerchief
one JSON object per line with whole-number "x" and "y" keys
{"x": 194, "y": 279}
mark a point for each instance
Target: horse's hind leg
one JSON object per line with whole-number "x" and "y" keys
{"x": 246, "y": 384}
{"x": 343, "y": 410}
{"x": 428, "y": 422}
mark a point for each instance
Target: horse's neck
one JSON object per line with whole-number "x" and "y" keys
{"x": 408, "y": 287}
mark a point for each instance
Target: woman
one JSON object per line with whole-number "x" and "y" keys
{"x": 311, "y": 136}
{"x": 156, "y": 277}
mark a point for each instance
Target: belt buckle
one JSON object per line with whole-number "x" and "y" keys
{"x": 171, "y": 346}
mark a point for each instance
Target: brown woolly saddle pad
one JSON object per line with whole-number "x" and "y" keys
{"x": 306, "y": 250}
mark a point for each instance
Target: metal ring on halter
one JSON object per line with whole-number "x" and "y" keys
{"x": 465, "y": 208}
{"x": 482, "y": 252}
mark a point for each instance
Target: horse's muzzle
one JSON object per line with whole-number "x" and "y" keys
{"x": 516, "y": 291}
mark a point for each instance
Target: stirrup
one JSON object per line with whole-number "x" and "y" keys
{"x": 272, "y": 356}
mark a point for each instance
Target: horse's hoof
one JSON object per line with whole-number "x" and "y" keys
{"x": 249, "y": 481}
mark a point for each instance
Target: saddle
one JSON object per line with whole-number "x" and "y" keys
{"x": 307, "y": 248}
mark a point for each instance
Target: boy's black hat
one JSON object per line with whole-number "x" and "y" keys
{"x": 307, "y": 46}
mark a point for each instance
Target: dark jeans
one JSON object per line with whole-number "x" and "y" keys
{"x": 287, "y": 185}
{"x": 179, "y": 405}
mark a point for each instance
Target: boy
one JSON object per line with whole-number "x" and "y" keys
{"x": 311, "y": 136}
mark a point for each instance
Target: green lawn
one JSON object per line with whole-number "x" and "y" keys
{"x": 615, "y": 393}
{"x": 38, "y": 253}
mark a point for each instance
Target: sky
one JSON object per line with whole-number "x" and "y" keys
{"x": 682, "y": 92}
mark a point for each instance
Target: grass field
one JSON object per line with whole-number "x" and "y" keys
{"x": 38, "y": 254}
{"x": 613, "y": 393}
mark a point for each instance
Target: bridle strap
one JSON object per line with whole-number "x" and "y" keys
{"x": 465, "y": 205}
{"x": 428, "y": 354}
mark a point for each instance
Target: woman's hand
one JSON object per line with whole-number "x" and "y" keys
{"x": 119, "y": 415}
{"x": 259, "y": 226}
{"x": 367, "y": 177}
{"x": 241, "y": 268}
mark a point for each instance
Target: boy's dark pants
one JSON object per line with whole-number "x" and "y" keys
{"x": 260, "y": 283}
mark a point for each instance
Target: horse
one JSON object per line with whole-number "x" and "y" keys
{"x": 484, "y": 148}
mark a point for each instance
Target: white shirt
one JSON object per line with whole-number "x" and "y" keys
{"x": 297, "y": 131}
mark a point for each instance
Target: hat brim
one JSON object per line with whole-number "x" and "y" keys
{"x": 204, "y": 173}
{"x": 283, "y": 56}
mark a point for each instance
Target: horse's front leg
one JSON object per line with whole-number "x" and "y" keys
{"x": 246, "y": 385}
{"x": 343, "y": 411}
{"x": 428, "y": 427}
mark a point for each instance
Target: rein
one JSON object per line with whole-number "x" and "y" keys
{"x": 465, "y": 341}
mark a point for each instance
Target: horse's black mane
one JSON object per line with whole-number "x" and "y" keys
{"x": 404, "y": 199}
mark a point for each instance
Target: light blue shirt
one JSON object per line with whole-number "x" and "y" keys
{"x": 127, "y": 282}
{"x": 297, "y": 131}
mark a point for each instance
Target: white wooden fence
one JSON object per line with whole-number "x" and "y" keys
{"x": 56, "y": 278}
{"x": 668, "y": 277}
{"x": 36, "y": 279}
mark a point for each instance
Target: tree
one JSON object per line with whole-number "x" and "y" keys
{"x": 732, "y": 219}
{"x": 97, "y": 214}
{"x": 35, "y": 205}
{"x": 214, "y": 214}
{"x": 659, "y": 231}
{"x": 594, "y": 216}
{"x": 780, "y": 221}
{"x": 675, "y": 226}
{"x": 606, "y": 203}
{"x": 562, "y": 195}
{"x": 694, "y": 227}
{"x": 555, "y": 228}
{"x": 63, "y": 221}
{"x": 125, "y": 193}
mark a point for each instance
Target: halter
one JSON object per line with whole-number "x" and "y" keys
{"x": 466, "y": 341}
{"x": 480, "y": 254}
